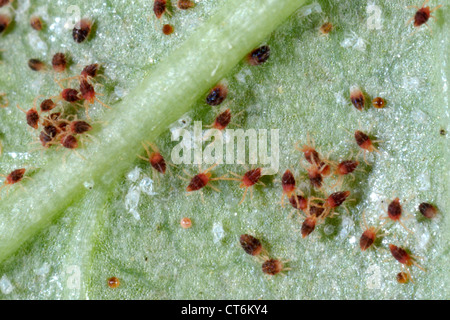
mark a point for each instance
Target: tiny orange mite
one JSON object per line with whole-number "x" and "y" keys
{"x": 36, "y": 23}
{"x": 326, "y": 28}
{"x": 113, "y": 282}
{"x": 402, "y": 277}
{"x": 167, "y": 29}
{"x": 379, "y": 103}
{"x": 185, "y": 4}
{"x": 186, "y": 223}
{"x": 250, "y": 244}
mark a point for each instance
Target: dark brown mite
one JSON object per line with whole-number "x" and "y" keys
{"x": 87, "y": 90}
{"x": 442, "y": 132}
{"x": 198, "y": 182}
{"x": 36, "y": 23}
{"x": 222, "y": 120}
{"x": 258, "y": 56}
{"x": 363, "y": 140}
{"x": 70, "y": 95}
{"x": 367, "y": 239}
{"x": 308, "y": 226}
{"x": 423, "y": 14}
{"x": 90, "y": 71}
{"x": 288, "y": 183}
{"x": 15, "y": 176}
{"x": 346, "y": 167}
{"x": 379, "y": 103}
{"x": 400, "y": 255}
{"x": 167, "y": 29}
{"x": 51, "y": 131}
{"x": 395, "y": 209}
{"x": 159, "y": 8}
{"x": 250, "y": 244}
{"x": 59, "y": 62}
{"x": 4, "y": 2}
{"x": 250, "y": 178}
{"x": 402, "y": 277}
{"x": 32, "y": 117}
{"x": 299, "y": 202}
{"x": 217, "y": 95}
{"x": 336, "y": 199}
{"x": 45, "y": 139}
{"x": 428, "y": 210}
{"x": 316, "y": 210}
{"x": 79, "y": 127}
{"x": 4, "y": 22}
{"x": 185, "y": 4}
{"x": 113, "y": 282}
{"x": 326, "y": 28}
{"x": 81, "y": 30}
{"x": 315, "y": 178}
{"x": 36, "y": 64}
{"x": 357, "y": 98}
{"x": 69, "y": 141}
{"x": 272, "y": 267}
{"x": 47, "y": 105}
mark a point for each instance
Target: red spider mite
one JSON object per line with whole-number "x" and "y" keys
{"x": 365, "y": 143}
{"x": 4, "y": 2}
{"x": 422, "y": 14}
{"x": 59, "y": 62}
{"x": 89, "y": 95}
{"x": 185, "y": 4}
{"x": 36, "y": 23}
{"x": 315, "y": 177}
{"x": 47, "y": 105}
{"x": 309, "y": 151}
{"x": 334, "y": 200}
{"x": 369, "y": 235}
{"x": 36, "y": 64}
{"x": 344, "y": 168}
{"x": 69, "y": 141}
{"x": 4, "y": 22}
{"x": 428, "y": 210}
{"x": 394, "y": 212}
{"x": 357, "y": 98}
{"x": 407, "y": 260}
{"x": 288, "y": 185}
{"x": 202, "y": 180}
{"x": 45, "y": 139}
{"x": 402, "y": 277}
{"x": 90, "y": 71}
{"x": 314, "y": 214}
{"x": 12, "y": 178}
{"x": 248, "y": 180}
{"x": 81, "y": 30}
{"x": 32, "y": 116}
{"x": 299, "y": 202}
{"x": 155, "y": 158}
{"x": 326, "y": 28}
{"x": 79, "y": 127}
{"x": 217, "y": 95}
{"x": 273, "y": 267}
{"x": 159, "y": 8}
{"x": 250, "y": 244}
{"x": 258, "y": 56}
{"x": 222, "y": 120}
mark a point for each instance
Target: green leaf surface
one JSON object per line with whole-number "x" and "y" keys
{"x": 71, "y": 228}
